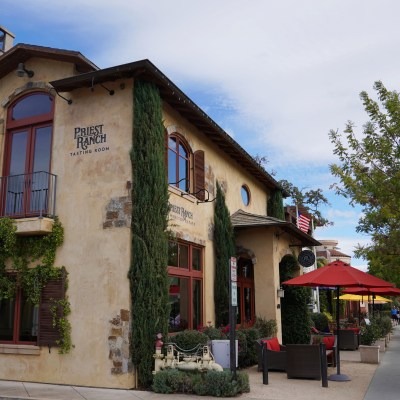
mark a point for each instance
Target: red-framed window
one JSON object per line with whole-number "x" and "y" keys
{"x": 27, "y": 155}
{"x": 185, "y": 271}
{"x": 19, "y": 320}
{"x": 245, "y": 292}
{"x": 178, "y": 162}
{"x": 22, "y": 322}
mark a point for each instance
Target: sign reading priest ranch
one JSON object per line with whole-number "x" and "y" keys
{"x": 89, "y": 140}
{"x": 181, "y": 214}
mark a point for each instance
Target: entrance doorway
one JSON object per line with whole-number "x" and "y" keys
{"x": 245, "y": 292}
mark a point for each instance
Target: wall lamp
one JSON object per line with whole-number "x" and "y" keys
{"x": 22, "y": 71}
{"x": 280, "y": 292}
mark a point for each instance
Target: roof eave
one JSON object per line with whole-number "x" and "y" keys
{"x": 170, "y": 93}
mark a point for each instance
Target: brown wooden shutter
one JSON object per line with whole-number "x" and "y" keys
{"x": 54, "y": 290}
{"x": 199, "y": 174}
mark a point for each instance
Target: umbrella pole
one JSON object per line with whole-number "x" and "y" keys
{"x": 338, "y": 376}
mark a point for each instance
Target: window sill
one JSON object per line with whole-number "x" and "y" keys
{"x": 34, "y": 226}
{"x": 182, "y": 194}
{"x": 19, "y": 349}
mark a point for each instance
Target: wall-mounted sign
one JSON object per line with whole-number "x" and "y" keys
{"x": 181, "y": 213}
{"x": 89, "y": 139}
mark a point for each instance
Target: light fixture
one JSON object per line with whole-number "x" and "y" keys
{"x": 280, "y": 292}
{"x": 22, "y": 71}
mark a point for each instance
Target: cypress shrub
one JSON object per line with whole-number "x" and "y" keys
{"x": 224, "y": 250}
{"x": 296, "y": 321}
{"x": 148, "y": 273}
{"x": 275, "y": 205}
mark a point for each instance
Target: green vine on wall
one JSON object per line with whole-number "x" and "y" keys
{"x": 27, "y": 262}
{"x": 60, "y": 309}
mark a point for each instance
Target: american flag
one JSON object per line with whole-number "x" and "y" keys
{"x": 303, "y": 222}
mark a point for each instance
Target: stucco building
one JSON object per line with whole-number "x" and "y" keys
{"x": 65, "y": 139}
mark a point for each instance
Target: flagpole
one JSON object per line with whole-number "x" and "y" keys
{"x": 315, "y": 264}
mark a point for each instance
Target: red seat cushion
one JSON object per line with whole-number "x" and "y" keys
{"x": 273, "y": 344}
{"x": 329, "y": 342}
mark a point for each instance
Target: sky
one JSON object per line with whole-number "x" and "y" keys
{"x": 276, "y": 76}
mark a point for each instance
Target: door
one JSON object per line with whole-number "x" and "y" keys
{"x": 245, "y": 292}
{"x": 27, "y": 162}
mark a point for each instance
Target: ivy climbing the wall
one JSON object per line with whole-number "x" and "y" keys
{"x": 27, "y": 263}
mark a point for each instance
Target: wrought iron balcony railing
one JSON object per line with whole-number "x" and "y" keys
{"x": 28, "y": 195}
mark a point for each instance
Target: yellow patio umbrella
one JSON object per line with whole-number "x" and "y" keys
{"x": 357, "y": 297}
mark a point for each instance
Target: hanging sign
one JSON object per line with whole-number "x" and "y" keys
{"x": 306, "y": 258}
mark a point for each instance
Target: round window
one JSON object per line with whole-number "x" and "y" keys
{"x": 245, "y": 195}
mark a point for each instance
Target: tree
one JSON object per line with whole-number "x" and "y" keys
{"x": 311, "y": 199}
{"x": 369, "y": 173}
{"x": 148, "y": 273}
{"x": 296, "y": 321}
{"x": 224, "y": 250}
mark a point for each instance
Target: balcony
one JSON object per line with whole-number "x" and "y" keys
{"x": 30, "y": 200}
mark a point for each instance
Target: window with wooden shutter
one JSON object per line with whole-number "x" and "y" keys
{"x": 199, "y": 174}
{"x": 51, "y": 293}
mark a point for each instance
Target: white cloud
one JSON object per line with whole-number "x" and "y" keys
{"x": 289, "y": 71}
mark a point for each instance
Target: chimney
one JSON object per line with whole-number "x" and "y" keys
{"x": 6, "y": 40}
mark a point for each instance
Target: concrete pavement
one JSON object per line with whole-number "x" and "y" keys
{"x": 368, "y": 382}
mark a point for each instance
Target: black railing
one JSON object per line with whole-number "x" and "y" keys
{"x": 28, "y": 195}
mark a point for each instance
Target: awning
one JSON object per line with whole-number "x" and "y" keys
{"x": 242, "y": 220}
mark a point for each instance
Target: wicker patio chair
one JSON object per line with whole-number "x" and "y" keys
{"x": 276, "y": 360}
{"x": 303, "y": 361}
{"x": 348, "y": 339}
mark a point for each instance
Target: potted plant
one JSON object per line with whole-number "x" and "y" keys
{"x": 369, "y": 352}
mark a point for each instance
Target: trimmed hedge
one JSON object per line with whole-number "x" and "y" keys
{"x": 210, "y": 383}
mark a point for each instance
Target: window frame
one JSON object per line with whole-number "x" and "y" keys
{"x": 244, "y": 188}
{"x": 17, "y": 323}
{"x": 242, "y": 284}
{"x": 180, "y": 140}
{"x": 30, "y": 125}
{"x": 191, "y": 275}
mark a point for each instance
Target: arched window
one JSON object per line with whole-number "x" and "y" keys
{"x": 186, "y": 170}
{"x": 178, "y": 163}
{"x": 26, "y": 166}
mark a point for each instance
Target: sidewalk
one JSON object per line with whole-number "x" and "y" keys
{"x": 367, "y": 383}
{"x": 385, "y": 384}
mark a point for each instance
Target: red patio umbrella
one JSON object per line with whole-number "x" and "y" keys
{"x": 338, "y": 274}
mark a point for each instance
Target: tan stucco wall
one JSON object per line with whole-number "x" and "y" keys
{"x": 96, "y": 258}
